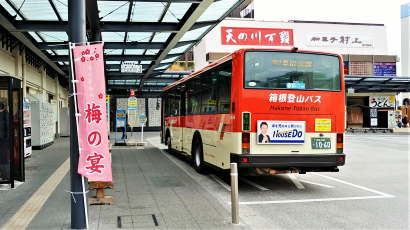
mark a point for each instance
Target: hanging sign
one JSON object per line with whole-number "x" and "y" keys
{"x": 95, "y": 159}
{"x": 132, "y": 117}
{"x": 131, "y": 67}
{"x": 120, "y": 118}
{"x": 132, "y": 103}
{"x": 142, "y": 118}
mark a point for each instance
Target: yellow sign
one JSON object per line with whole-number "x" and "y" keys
{"x": 323, "y": 125}
{"x": 107, "y": 97}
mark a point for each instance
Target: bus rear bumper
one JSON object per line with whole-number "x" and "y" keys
{"x": 288, "y": 161}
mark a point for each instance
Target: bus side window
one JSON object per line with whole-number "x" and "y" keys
{"x": 208, "y": 88}
{"x": 193, "y": 99}
{"x": 224, "y": 87}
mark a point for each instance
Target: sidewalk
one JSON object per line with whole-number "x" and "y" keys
{"x": 150, "y": 190}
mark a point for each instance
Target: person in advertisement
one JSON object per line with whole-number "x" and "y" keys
{"x": 263, "y": 136}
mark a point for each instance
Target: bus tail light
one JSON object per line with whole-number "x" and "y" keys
{"x": 245, "y": 160}
{"x": 339, "y": 143}
{"x": 246, "y": 139}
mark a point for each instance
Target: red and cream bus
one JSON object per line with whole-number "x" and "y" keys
{"x": 269, "y": 110}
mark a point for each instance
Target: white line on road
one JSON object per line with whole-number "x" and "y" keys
{"x": 296, "y": 182}
{"x": 354, "y": 185}
{"x": 221, "y": 182}
{"x": 260, "y": 187}
{"x": 313, "y": 200}
{"x": 318, "y": 184}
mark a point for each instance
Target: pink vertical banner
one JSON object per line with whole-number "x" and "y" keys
{"x": 95, "y": 158}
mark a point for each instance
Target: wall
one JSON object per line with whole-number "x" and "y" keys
{"x": 302, "y": 31}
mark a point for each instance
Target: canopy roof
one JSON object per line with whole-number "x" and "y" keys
{"x": 363, "y": 84}
{"x": 153, "y": 32}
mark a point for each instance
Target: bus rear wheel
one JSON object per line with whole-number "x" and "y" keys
{"x": 169, "y": 143}
{"x": 198, "y": 157}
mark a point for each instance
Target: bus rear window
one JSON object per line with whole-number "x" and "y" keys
{"x": 285, "y": 70}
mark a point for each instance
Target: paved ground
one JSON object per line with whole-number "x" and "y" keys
{"x": 153, "y": 188}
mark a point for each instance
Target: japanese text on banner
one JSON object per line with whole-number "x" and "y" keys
{"x": 95, "y": 159}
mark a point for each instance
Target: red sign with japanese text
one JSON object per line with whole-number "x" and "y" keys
{"x": 256, "y": 36}
{"x": 95, "y": 158}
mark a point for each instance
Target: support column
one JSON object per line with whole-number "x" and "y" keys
{"x": 77, "y": 33}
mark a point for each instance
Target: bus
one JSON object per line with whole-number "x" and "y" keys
{"x": 271, "y": 111}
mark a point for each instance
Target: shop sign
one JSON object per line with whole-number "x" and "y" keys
{"x": 142, "y": 118}
{"x": 280, "y": 132}
{"x": 341, "y": 40}
{"x": 373, "y": 113}
{"x": 381, "y": 101}
{"x": 256, "y": 36}
{"x": 373, "y": 122}
{"x": 95, "y": 159}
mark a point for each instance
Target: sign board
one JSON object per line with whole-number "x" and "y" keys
{"x": 131, "y": 67}
{"x": 341, "y": 40}
{"x": 132, "y": 117}
{"x": 95, "y": 159}
{"x": 373, "y": 122}
{"x": 120, "y": 118}
{"x": 142, "y": 119}
{"x": 381, "y": 101}
{"x": 132, "y": 103}
{"x": 373, "y": 113}
{"x": 281, "y": 132}
{"x": 384, "y": 69}
{"x": 256, "y": 36}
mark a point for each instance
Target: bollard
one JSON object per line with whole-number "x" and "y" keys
{"x": 234, "y": 193}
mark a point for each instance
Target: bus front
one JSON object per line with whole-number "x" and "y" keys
{"x": 291, "y": 110}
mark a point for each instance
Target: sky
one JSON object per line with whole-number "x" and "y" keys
{"x": 385, "y": 12}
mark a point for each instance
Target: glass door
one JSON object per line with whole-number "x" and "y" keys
{"x": 17, "y": 130}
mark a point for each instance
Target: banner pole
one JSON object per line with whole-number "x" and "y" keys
{"x": 77, "y": 28}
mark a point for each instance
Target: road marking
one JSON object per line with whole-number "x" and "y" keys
{"x": 354, "y": 185}
{"x": 29, "y": 210}
{"x": 312, "y": 200}
{"x": 260, "y": 187}
{"x": 296, "y": 182}
{"x": 221, "y": 182}
{"x": 318, "y": 184}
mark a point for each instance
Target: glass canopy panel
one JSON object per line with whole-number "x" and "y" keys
{"x": 176, "y": 11}
{"x": 161, "y": 37}
{"x": 113, "y": 62}
{"x": 112, "y": 51}
{"x": 181, "y": 49}
{"x": 162, "y": 67}
{"x": 9, "y": 9}
{"x": 130, "y": 82}
{"x": 61, "y": 52}
{"x": 62, "y": 8}
{"x": 170, "y": 60}
{"x": 50, "y": 52}
{"x": 113, "y": 36}
{"x": 147, "y": 11}
{"x": 216, "y": 10}
{"x": 110, "y": 82}
{"x": 36, "y": 9}
{"x": 133, "y": 51}
{"x": 113, "y": 10}
{"x": 139, "y": 36}
{"x": 194, "y": 34}
{"x": 145, "y": 62}
{"x": 152, "y": 52}
{"x": 35, "y": 36}
{"x": 54, "y": 36}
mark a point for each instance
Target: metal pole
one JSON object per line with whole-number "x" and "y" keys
{"x": 234, "y": 193}
{"x": 77, "y": 33}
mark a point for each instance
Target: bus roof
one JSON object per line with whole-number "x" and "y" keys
{"x": 229, "y": 57}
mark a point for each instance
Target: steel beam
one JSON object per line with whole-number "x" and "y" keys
{"x": 25, "y": 26}
{"x": 119, "y": 57}
{"x": 189, "y": 20}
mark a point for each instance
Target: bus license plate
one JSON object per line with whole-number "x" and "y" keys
{"x": 321, "y": 143}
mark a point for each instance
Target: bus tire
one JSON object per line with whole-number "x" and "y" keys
{"x": 198, "y": 156}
